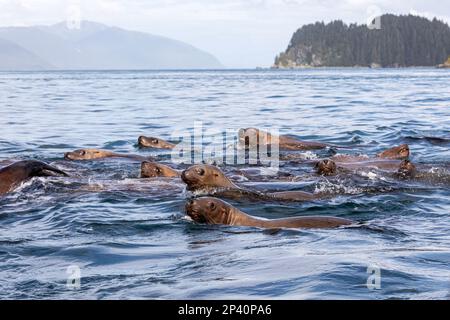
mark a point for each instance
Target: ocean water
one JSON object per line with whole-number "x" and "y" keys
{"x": 128, "y": 238}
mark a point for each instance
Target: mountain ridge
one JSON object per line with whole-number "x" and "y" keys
{"x": 99, "y": 47}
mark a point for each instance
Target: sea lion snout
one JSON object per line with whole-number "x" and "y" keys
{"x": 142, "y": 141}
{"x": 185, "y": 176}
{"x": 150, "y": 170}
{"x": 193, "y": 175}
{"x": 206, "y": 210}
{"x": 68, "y": 156}
{"x": 194, "y": 211}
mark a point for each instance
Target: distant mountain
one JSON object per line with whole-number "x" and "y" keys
{"x": 402, "y": 41}
{"x": 14, "y": 57}
{"x": 95, "y": 46}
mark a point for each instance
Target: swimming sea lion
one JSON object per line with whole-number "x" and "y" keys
{"x": 152, "y": 142}
{"x": 407, "y": 169}
{"x": 430, "y": 175}
{"x": 209, "y": 178}
{"x": 329, "y": 167}
{"x": 151, "y": 169}
{"x": 400, "y": 152}
{"x": 94, "y": 154}
{"x": 249, "y": 135}
{"x": 18, "y": 172}
{"x": 326, "y": 167}
{"x": 215, "y": 211}
{"x": 395, "y": 153}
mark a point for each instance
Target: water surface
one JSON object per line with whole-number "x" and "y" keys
{"x": 130, "y": 237}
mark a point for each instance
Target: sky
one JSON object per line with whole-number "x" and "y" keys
{"x": 240, "y": 33}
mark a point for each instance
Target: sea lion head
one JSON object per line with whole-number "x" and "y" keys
{"x": 399, "y": 152}
{"x": 326, "y": 167}
{"x": 407, "y": 169}
{"x": 254, "y": 136}
{"x": 204, "y": 175}
{"x": 151, "y": 169}
{"x": 152, "y": 142}
{"x": 209, "y": 210}
{"x": 86, "y": 154}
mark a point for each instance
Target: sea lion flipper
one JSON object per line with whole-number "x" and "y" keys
{"x": 48, "y": 170}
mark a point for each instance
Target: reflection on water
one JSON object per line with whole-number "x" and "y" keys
{"x": 130, "y": 238}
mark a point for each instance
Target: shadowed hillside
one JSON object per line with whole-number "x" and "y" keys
{"x": 96, "y": 46}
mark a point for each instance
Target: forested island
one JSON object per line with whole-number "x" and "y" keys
{"x": 402, "y": 41}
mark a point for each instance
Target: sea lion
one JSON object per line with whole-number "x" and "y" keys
{"x": 430, "y": 139}
{"x": 95, "y": 154}
{"x": 326, "y": 167}
{"x": 215, "y": 211}
{"x": 249, "y": 135}
{"x": 284, "y": 142}
{"x": 152, "y": 142}
{"x": 400, "y": 152}
{"x": 430, "y": 175}
{"x": 329, "y": 167}
{"x": 395, "y": 153}
{"x": 18, "y": 172}
{"x": 211, "y": 179}
{"x": 151, "y": 169}
{"x": 407, "y": 169}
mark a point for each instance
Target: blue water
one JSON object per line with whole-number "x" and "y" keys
{"x": 130, "y": 238}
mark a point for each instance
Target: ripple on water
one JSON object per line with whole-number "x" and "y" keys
{"x": 130, "y": 237}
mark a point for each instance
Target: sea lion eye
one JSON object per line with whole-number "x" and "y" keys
{"x": 212, "y": 205}
{"x": 158, "y": 170}
{"x": 201, "y": 172}
{"x": 82, "y": 152}
{"x": 155, "y": 141}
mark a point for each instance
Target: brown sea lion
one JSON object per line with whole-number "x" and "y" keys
{"x": 152, "y": 142}
{"x": 210, "y": 178}
{"x": 215, "y": 211}
{"x": 253, "y": 135}
{"x": 329, "y": 167}
{"x": 407, "y": 169}
{"x": 95, "y": 154}
{"x": 430, "y": 175}
{"x": 400, "y": 152}
{"x": 326, "y": 167}
{"x": 150, "y": 169}
{"x": 395, "y": 153}
{"x": 13, "y": 175}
